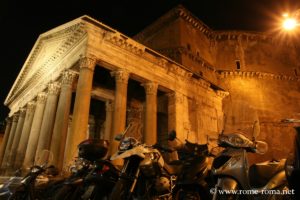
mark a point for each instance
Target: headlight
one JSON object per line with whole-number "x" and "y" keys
{"x": 125, "y": 144}
{"x": 35, "y": 170}
{"x": 236, "y": 141}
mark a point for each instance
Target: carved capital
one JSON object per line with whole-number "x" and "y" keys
{"x": 22, "y": 112}
{"x": 175, "y": 98}
{"x": 41, "y": 97}
{"x": 109, "y": 106}
{"x": 88, "y": 62}
{"x": 8, "y": 120}
{"x": 222, "y": 94}
{"x": 121, "y": 76}
{"x": 30, "y": 107}
{"x": 15, "y": 117}
{"x": 150, "y": 88}
{"x": 68, "y": 77}
{"x": 53, "y": 88}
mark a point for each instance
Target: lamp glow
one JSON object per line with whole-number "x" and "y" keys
{"x": 289, "y": 23}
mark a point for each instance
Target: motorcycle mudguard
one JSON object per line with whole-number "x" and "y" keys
{"x": 275, "y": 181}
{"x": 227, "y": 183}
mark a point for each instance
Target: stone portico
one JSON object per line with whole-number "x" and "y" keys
{"x": 85, "y": 80}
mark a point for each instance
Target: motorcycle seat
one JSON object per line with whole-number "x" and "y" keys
{"x": 261, "y": 173}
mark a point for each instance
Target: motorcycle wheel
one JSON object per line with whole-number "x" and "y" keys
{"x": 228, "y": 196}
{"x": 120, "y": 190}
{"x": 67, "y": 192}
{"x": 18, "y": 196}
{"x": 278, "y": 196}
{"x": 187, "y": 195}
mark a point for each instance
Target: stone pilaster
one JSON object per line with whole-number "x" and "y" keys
{"x": 175, "y": 114}
{"x": 81, "y": 107}
{"x": 5, "y": 139}
{"x": 109, "y": 108}
{"x": 150, "y": 136}
{"x": 119, "y": 116}
{"x": 5, "y": 160}
{"x": 48, "y": 118}
{"x": 35, "y": 130}
{"x": 17, "y": 137}
{"x": 25, "y": 134}
{"x": 59, "y": 137}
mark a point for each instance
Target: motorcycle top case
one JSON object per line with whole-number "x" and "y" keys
{"x": 93, "y": 149}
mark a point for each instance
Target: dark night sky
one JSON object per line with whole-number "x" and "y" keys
{"x": 23, "y": 21}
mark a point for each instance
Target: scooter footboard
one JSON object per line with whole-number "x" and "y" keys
{"x": 277, "y": 180}
{"x": 227, "y": 183}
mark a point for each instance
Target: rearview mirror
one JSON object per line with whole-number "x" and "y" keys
{"x": 118, "y": 137}
{"x": 172, "y": 135}
{"x": 261, "y": 147}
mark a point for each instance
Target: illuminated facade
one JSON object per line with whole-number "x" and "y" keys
{"x": 86, "y": 80}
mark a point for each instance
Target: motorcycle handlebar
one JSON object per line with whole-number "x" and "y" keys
{"x": 166, "y": 149}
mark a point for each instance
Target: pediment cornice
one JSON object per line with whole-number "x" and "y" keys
{"x": 45, "y": 61}
{"x": 175, "y": 13}
{"x": 223, "y": 74}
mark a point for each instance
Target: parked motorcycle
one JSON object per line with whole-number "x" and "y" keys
{"x": 6, "y": 188}
{"x": 92, "y": 176}
{"x": 142, "y": 164}
{"x": 146, "y": 175}
{"x": 191, "y": 182}
{"x": 235, "y": 178}
{"x": 36, "y": 184}
{"x": 292, "y": 166}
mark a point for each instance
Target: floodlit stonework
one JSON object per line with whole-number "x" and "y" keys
{"x": 88, "y": 80}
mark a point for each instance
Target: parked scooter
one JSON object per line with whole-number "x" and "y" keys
{"x": 191, "y": 182}
{"x": 36, "y": 184}
{"x": 92, "y": 176}
{"x": 292, "y": 166}
{"x": 235, "y": 178}
{"x": 6, "y": 188}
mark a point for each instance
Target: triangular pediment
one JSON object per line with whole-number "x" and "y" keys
{"x": 45, "y": 57}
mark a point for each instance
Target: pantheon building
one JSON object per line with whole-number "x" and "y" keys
{"x": 84, "y": 79}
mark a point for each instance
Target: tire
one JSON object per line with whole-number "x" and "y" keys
{"x": 187, "y": 195}
{"x": 67, "y": 192}
{"x": 281, "y": 188}
{"x": 229, "y": 197}
{"x": 120, "y": 190}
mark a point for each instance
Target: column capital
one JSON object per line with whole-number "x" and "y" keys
{"x": 68, "y": 77}
{"x": 109, "y": 106}
{"x": 8, "y": 120}
{"x": 150, "y": 87}
{"x": 175, "y": 97}
{"x": 15, "y": 117}
{"x": 30, "y": 106}
{"x": 53, "y": 88}
{"x": 22, "y": 112}
{"x": 41, "y": 97}
{"x": 88, "y": 61}
{"x": 121, "y": 75}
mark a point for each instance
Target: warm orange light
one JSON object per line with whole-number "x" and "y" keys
{"x": 289, "y": 23}
{"x": 285, "y": 15}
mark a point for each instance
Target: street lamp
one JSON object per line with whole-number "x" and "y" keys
{"x": 291, "y": 21}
